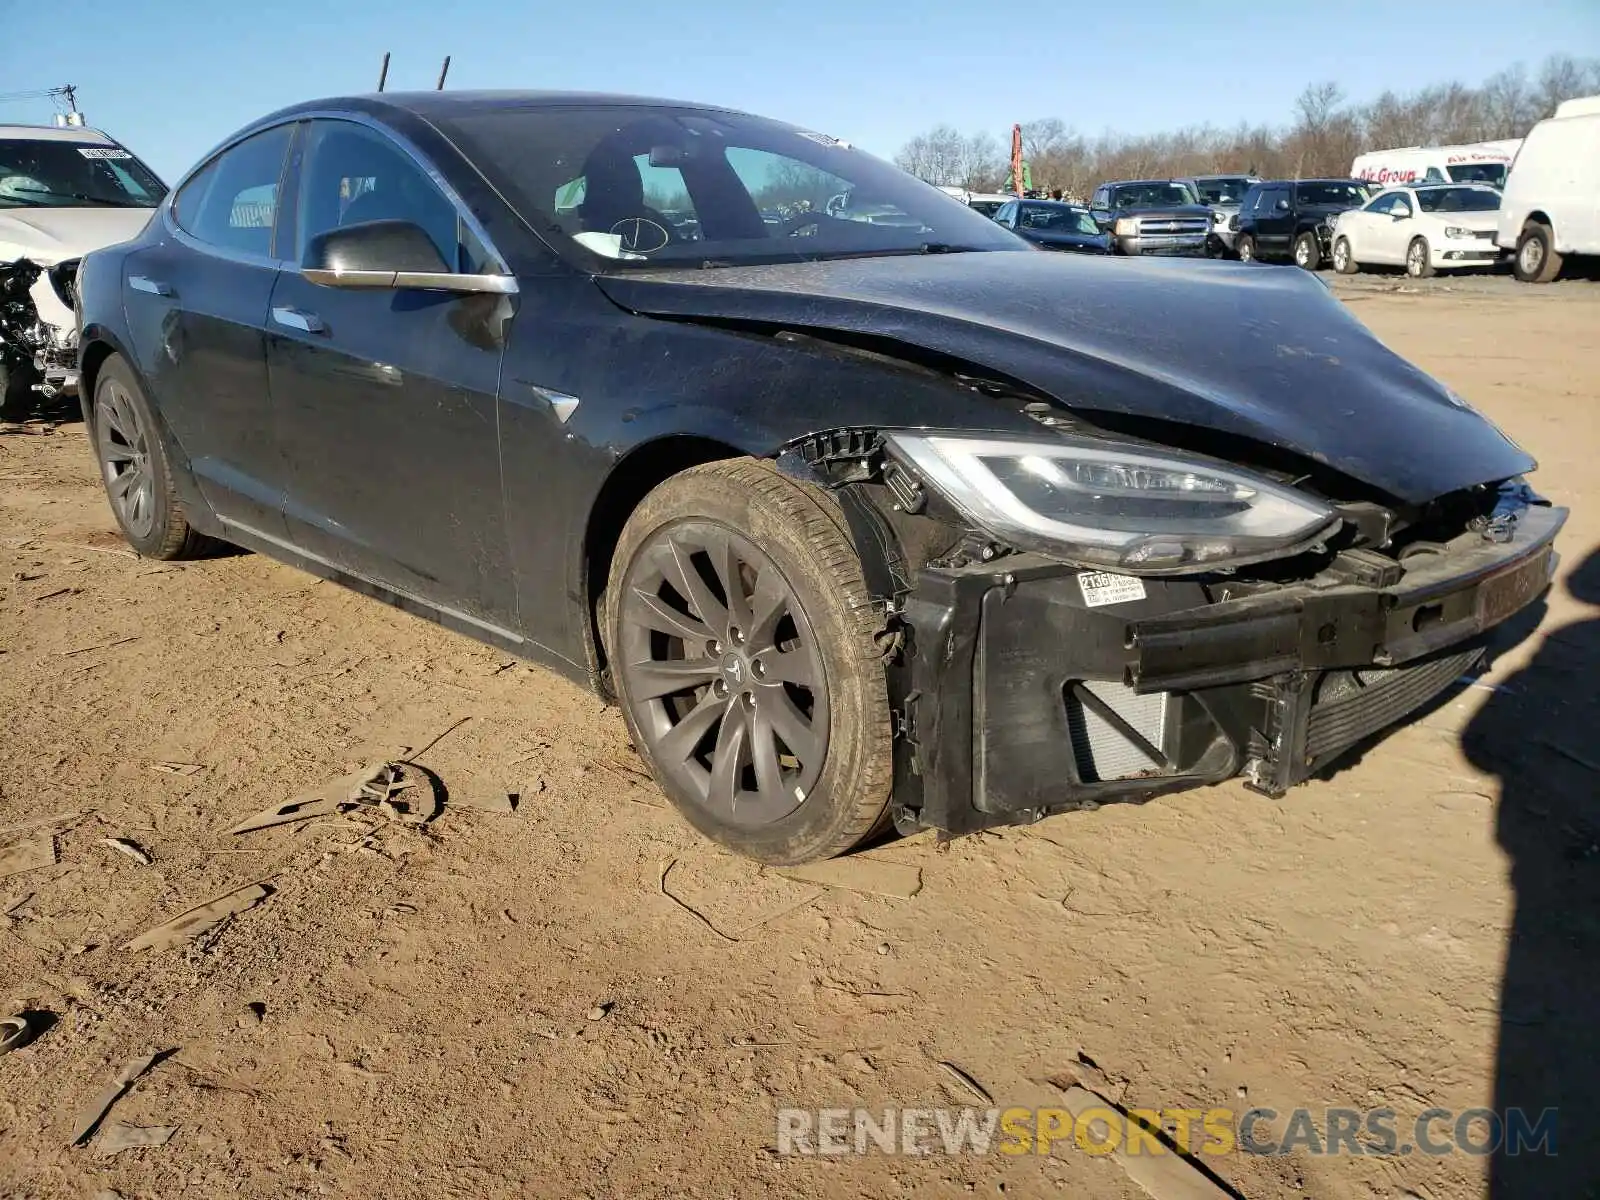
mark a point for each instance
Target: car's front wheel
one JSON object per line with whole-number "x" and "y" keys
{"x": 1307, "y": 253}
{"x": 1344, "y": 262}
{"x": 739, "y": 634}
{"x": 134, "y": 466}
{"x": 1419, "y": 259}
{"x": 1245, "y": 247}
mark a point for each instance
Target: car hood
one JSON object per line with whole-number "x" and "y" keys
{"x": 52, "y": 235}
{"x": 1262, "y": 354}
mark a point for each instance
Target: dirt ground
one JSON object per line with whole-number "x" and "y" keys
{"x": 518, "y": 1005}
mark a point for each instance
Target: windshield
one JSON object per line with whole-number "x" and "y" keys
{"x": 1223, "y": 191}
{"x": 1494, "y": 174}
{"x": 1154, "y": 195}
{"x": 1458, "y": 199}
{"x": 1057, "y": 218}
{"x": 1333, "y": 195}
{"x": 41, "y": 173}
{"x": 600, "y": 182}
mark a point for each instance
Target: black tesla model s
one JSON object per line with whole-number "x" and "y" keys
{"x": 862, "y": 508}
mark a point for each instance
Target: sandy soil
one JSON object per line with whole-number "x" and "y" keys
{"x": 511, "y": 1004}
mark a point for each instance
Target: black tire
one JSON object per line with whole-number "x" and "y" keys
{"x": 1536, "y": 260}
{"x": 1307, "y": 251}
{"x": 806, "y": 677}
{"x": 1344, "y": 261}
{"x": 16, "y": 391}
{"x": 1244, "y": 248}
{"x": 1419, "y": 259}
{"x": 135, "y": 469}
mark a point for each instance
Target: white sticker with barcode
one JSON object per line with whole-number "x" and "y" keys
{"x": 103, "y": 152}
{"x": 1102, "y": 587}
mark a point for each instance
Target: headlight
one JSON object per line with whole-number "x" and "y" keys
{"x": 1219, "y": 218}
{"x": 1142, "y": 511}
{"x": 1126, "y": 227}
{"x": 1455, "y": 231}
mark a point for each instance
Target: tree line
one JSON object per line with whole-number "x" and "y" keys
{"x": 1323, "y": 135}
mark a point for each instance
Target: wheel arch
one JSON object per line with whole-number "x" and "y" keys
{"x": 631, "y": 479}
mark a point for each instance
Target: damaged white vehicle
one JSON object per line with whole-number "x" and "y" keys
{"x": 63, "y": 193}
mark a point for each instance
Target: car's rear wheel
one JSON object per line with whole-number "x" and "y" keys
{"x": 1536, "y": 259}
{"x": 134, "y": 466}
{"x": 1245, "y": 247}
{"x": 1419, "y": 259}
{"x": 1344, "y": 261}
{"x": 1307, "y": 253}
{"x": 740, "y": 639}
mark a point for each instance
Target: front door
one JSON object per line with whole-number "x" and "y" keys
{"x": 386, "y": 399}
{"x": 196, "y": 303}
{"x": 1274, "y": 223}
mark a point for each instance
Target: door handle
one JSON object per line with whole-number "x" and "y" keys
{"x": 294, "y": 318}
{"x": 143, "y": 283}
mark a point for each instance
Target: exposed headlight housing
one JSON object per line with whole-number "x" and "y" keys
{"x": 1126, "y": 227}
{"x": 1218, "y": 218}
{"x": 1140, "y": 511}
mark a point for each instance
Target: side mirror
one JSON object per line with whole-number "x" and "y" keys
{"x": 1400, "y": 212}
{"x": 1281, "y": 206}
{"x": 389, "y": 254}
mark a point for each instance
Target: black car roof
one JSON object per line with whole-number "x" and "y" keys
{"x": 460, "y": 103}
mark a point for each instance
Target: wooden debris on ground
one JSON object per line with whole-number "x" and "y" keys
{"x": 94, "y": 1112}
{"x": 129, "y": 847}
{"x": 399, "y": 790}
{"x": 177, "y": 768}
{"x": 189, "y": 925}
{"x": 871, "y": 876}
{"x": 118, "y": 1136}
{"x": 28, "y": 855}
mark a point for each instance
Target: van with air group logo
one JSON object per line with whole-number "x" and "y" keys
{"x": 1480, "y": 162}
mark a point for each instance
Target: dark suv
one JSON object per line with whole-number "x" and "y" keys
{"x": 1152, "y": 216}
{"x": 1293, "y": 219}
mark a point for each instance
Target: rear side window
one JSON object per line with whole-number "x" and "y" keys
{"x": 233, "y": 202}
{"x": 353, "y": 174}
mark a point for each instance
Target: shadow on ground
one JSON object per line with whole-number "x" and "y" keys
{"x": 1538, "y": 734}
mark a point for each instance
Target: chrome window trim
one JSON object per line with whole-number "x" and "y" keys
{"x": 403, "y": 143}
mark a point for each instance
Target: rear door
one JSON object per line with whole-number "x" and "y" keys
{"x": 196, "y": 304}
{"x": 386, "y": 398}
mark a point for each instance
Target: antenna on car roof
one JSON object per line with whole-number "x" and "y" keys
{"x": 383, "y": 73}
{"x": 443, "y": 71}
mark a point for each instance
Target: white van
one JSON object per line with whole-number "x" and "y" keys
{"x": 1552, "y": 200}
{"x": 1479, "y": 162}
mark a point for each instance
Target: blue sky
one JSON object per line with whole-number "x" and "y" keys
{"x": 182, "y": 74}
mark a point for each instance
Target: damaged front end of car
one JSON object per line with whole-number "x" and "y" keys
{"x": 1057, "y": 639}
{"x": 35, "y": 356}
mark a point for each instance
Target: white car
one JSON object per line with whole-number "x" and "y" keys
{"x": 63, "y": 192}
{"x": 1552, "y": 204}
{"x": 1427, "y": 228}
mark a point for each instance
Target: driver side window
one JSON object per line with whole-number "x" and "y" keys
{"x": 353, "y": 174}
{"x": 1384, "y": 204}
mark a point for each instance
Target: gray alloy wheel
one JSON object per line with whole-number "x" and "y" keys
{"x": 1307, "y": 254}
{"x": 723, "y": 673}
{"x": 1245, "y": 247}
{"x": 1419, "y": 264}
{"x": 1344, "y": 262}
{"x": 743, "y": 646}
{"x": 124, "y": 447}
{"x": 136, "y": 470}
